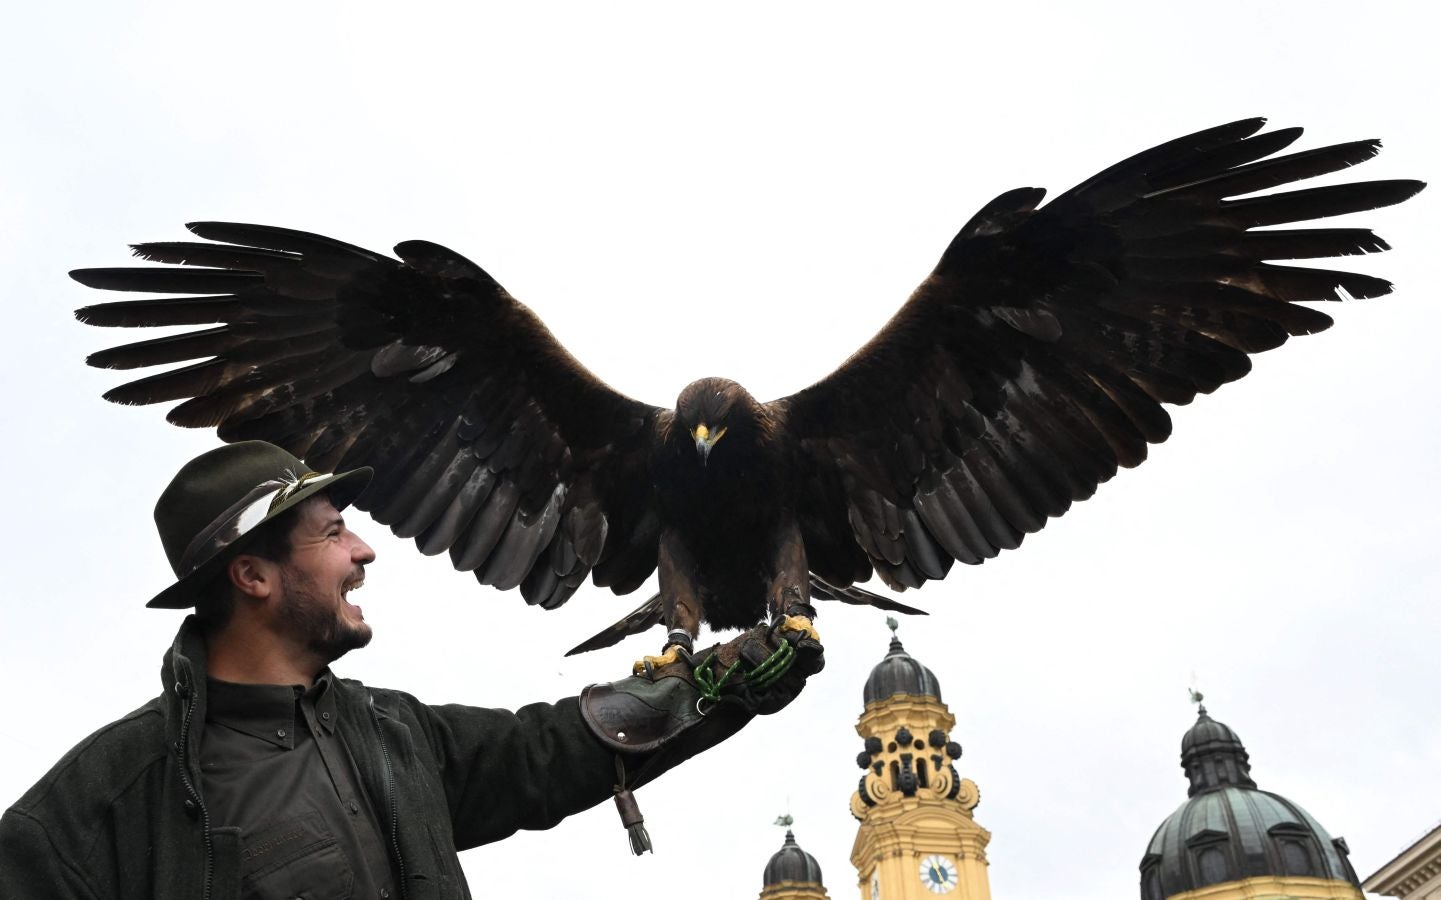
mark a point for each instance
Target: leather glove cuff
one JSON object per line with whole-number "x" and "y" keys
{"x": 660, "y": 719}
{"x": 652, "y": 725}
{"x": 655, "y": 722}
{"x": 678, "y": 711}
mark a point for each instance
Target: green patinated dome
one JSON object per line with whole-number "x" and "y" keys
{"x": 1229, "y": 829}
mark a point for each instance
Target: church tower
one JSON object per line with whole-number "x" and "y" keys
{"x": 918, "y": 836}
{"x": 1232, "y": 841}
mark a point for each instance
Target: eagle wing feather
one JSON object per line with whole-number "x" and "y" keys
{"x": 1037, "y": 358}
{"x": 488, "y": 439}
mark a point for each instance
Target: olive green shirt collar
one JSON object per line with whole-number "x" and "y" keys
{"x": 270, "y": 711}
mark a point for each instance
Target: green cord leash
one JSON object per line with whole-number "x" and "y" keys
{"x": 707, "y": 682}
{"x": 774, "y": 666}
{"x": 762, "y": 676}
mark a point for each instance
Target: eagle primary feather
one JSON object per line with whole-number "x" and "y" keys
{"x": 1031, "y": 364}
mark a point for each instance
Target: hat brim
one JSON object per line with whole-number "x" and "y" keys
{"x": 343, "y": 489}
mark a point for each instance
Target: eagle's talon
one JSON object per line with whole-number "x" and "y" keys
{"x": 801, "y": 624}
{"x": 673, "y": 654}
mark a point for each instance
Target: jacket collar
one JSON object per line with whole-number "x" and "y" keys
{"x": 182, "y": 674}
{"x": 184, "y": 665}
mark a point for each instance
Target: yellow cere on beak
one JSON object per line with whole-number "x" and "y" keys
{"x": 704, "y": 440}
{"x": 702, "y": 434}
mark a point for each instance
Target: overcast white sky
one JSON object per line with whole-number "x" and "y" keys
{"x": 750, "y": 190}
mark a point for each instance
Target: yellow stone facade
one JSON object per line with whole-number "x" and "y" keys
{"x": 1274, "y": 888}
{"x": 918, "y": 836}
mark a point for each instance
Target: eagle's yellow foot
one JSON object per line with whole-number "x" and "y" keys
{"x": 801, "y": 624}
{"x": 670, "y": 657}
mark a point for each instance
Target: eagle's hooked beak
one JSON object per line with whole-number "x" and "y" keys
{"x": 705, "y": 439}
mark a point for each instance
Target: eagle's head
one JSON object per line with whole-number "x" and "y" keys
{"x": 711, "y": 408}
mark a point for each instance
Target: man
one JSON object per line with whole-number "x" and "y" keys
{"x": 259, "y": 773}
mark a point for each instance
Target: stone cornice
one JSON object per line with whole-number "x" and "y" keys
{"x": 1411, "y": 868}
{"x": 794, "y": 890}
{"x": 1292, "y": 887}
{"x": 898, "y": 709}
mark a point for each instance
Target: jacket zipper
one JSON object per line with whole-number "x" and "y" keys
{"x": 390, "y": 800}
{"x": 195, "y": 794}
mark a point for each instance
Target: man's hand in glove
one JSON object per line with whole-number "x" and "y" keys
{"x": 658, "y": 719}
{"x": 761, "y": 671}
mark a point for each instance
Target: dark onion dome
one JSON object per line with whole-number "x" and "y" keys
{"x": 900, "y": 673}
{"x": 1229, "y": 830}
{"x": 791, "y": 863}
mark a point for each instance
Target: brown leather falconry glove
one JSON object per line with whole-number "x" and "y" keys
{"x": 657, "y": 720}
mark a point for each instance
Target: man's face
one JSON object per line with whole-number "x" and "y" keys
{"x": 326, "y": 563}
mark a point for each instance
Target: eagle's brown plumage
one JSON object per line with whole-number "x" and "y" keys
{"x": 1032, "y": 363}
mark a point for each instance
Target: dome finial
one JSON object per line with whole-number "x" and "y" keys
{"x": 1196, "y": 698}
{"x": 894, "y": 626}
{"x": 790, "y": 863}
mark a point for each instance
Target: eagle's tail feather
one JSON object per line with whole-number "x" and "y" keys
{"x": 646, "y": 616}
{"x": 856, "y": 596}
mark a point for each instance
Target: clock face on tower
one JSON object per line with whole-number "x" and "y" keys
{"x": 938, "y": 874}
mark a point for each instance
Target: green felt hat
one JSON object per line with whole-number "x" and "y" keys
{"x": 217, "y": 501}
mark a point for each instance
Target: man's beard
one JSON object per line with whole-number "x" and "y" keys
{"x": 317, "y": 620}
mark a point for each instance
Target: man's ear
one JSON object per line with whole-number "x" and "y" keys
{"x": 253, "y": 576}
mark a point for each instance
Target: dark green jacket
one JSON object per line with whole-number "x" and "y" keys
{"x": 121, "y": 815}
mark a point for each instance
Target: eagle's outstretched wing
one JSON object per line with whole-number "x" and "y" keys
{"x": 488, "y": 439}
{"x": 1036, "y": 358}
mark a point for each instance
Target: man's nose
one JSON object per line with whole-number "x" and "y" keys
{"x": 361, "y": 552}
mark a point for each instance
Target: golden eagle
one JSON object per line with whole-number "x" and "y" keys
{"x": 1024, "y": 370}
